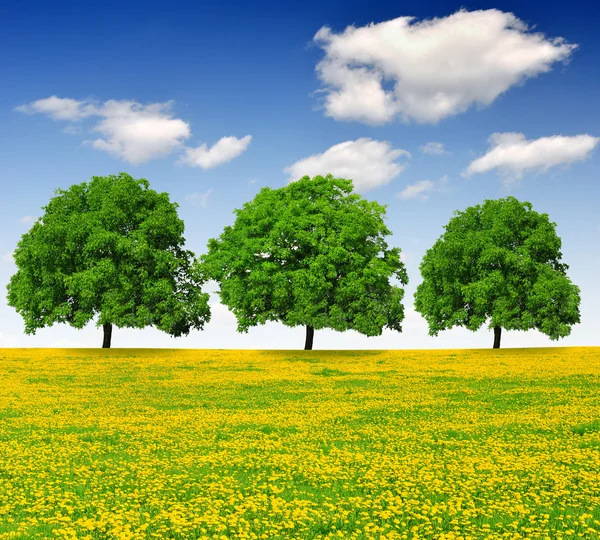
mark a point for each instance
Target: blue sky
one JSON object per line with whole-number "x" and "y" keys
{"x": 150, "y": 88}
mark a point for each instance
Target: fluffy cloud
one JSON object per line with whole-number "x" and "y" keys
{"x": 368, "y": 163}
{"x": 438, "y": 67}
{"x": 60, "y": 108}
{"x": 511, "y": 154}
{"x": 222, "y": 151}
{"x": 26, "y": 219}
{"x": 422, "y": 189}
{"x": 199, "y": 199}
{"x": 435, "y": 148}
{"x": 138, "y": 133}
{"x": 130, "y": 130}
{"x": 135, "y": 132}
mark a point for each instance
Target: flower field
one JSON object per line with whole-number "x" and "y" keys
{"x": 142, "y": 443}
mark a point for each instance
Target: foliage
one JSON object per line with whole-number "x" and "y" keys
{"x": 312, "y": 253}
{"x": 113, "y": 248}
{"x": 499, "y": 261}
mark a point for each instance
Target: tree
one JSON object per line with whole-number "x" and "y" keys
{"x": 113, "y": 248}
{"x": 312, "y": 254}
{"x": 498, "y": 262}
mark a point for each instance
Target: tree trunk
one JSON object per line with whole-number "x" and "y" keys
{"x": 310, "y": 332}
{"x": 497, "y": 333}
{"x": 107, "y": 335}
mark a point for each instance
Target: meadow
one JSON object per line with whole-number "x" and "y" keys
{"x": 190, "y": 444}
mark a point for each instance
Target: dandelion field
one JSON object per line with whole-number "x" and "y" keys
{"x": 142, "y": 443}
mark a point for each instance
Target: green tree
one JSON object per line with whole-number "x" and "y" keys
{"x": 498, "y": 262}
{"x": 113, "y": 248}
{"x": 312, "y": 254}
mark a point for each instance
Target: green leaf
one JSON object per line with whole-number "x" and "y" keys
{"x": 112, "y": 249}
{"x": 498, "y": 262}
{"x": 312, "y": 253}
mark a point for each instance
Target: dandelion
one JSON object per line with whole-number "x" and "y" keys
{"x": 322, "y": 444}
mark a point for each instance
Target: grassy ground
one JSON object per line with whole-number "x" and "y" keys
{"x": 146, "y": 443}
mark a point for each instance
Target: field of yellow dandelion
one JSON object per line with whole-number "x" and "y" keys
{"x": 141, "y": 443}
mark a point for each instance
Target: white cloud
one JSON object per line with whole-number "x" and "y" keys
{"x": 27, "y": 219}
{"x": 138, "y": 133}
{"x": 368, "y": 163}
{"x": 199, "y": 199}
{"x": 221, "y": 152}
{"x": 422, "y": 189}
{"x": 135, "y": 132}
{"x": 438, "y": 67}
{"x": 8, "y": 258}
{"x": 435, "y": 148}
{"x": 60, "y": 108}
{"x": 512, "y": 154}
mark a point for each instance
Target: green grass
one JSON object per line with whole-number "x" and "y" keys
{"x": 211, "y": 444}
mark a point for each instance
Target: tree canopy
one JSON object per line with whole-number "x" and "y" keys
{"x": 311, "y": 253}
{"x": 499, "y": 262}
{"x": 111, "y": 248}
